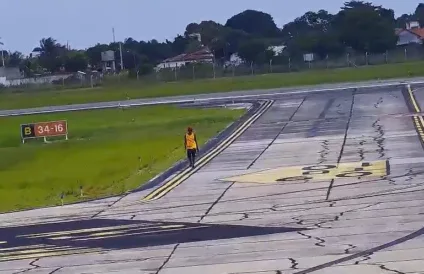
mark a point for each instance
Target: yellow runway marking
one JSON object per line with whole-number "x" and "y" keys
{"x": 115, "y": 232}
{"x": 314, "y": 173}
{"x": 78, "y": 231}
{"x": 2, "y": 250}
{"x": 44, "y": 253}
{"x": 166, "y": 188}
{"x": 418, "y": 120}
{"x": 142, "y": 233}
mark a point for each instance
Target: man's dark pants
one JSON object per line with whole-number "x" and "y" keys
{"x": 191, "y": 155}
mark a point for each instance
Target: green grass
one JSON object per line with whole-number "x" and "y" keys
{"x": 102, "y": 154}
{"x": 135, "y": 89}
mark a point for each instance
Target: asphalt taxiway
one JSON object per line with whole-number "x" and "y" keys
{"x": 328, "y": 182}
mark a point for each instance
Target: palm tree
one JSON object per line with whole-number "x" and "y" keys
{"x": 48, "y": 46}
{"x": 51, "y": 54}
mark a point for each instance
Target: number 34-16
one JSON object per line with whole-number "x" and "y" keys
{"x": 56, "y": 128}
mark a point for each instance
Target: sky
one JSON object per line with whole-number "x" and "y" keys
{"x": 83, "y": 23}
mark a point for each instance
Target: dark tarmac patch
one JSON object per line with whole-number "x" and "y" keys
{"x": 105, "y": 234}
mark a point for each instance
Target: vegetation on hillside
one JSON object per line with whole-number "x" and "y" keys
{"x": 357, "y": 27}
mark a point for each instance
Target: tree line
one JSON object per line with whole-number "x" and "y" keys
{"x": 358, "y": 26}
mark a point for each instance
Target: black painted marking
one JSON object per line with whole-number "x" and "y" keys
{"x": 312, "y": 132}
{"x": 330, "y": 187}
{"x": 326, "y": 108}
{"x": 275, "y": 138}
{"x": 408, "y": 237}
{"x": 329, "y": 190}
{"x": 387, "y": 167}
{"x": 216, "y": 201}
{"x": 319, "y": 167}
{"x": 296, "y": 178}
{"x": 121, "y": 234}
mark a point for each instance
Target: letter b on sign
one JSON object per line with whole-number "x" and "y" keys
{"x": 27, "y": 131}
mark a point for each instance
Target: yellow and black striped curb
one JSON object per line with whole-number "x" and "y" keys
{"x": 185, "y": 174}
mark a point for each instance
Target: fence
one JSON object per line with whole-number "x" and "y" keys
{"x": 284, "y": 64}
{"x": 280, "y": 64}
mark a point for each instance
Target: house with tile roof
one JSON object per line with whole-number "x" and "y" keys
{"x": 412, "y": 34}
{"x": 203, "y": 55}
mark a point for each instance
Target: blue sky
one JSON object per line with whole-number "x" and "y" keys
{"x": 85, "y": 22}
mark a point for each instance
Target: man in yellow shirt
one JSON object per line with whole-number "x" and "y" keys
{"x": 190, "y": 145}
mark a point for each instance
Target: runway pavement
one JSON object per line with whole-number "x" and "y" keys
{"x": 242, "y": 94}
{"x": 315, "y": 183}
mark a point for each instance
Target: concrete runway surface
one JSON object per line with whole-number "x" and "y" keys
{"x": 242, "y": 94}
{"x": 319, "y": 183}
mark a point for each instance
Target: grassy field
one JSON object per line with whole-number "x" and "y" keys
{"x": 134, "y": 89}
{"x": 109, "y": 152}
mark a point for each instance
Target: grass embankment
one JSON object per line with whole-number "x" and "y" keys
{"x": 139, "y": 90}
{"x": 102, "y": 154}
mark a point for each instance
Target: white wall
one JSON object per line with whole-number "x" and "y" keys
{"x": 33, "y": 81}
{"x": 170, "y": 65}
{"x": 405, "y": 38}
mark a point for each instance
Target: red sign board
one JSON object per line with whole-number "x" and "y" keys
{"x": 48, "y": 129}
{"x": 44, "y": 129}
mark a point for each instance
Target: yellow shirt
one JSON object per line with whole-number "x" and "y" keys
{"x": 190, "y": 141}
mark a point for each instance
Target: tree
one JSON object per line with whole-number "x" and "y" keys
{"x": 94, "y": 54}
{"x": 365, "y": 27}
{"x": 75, "y": 61}
{"x": 179, "y": 44}
{"x": 51, "y": 54}
{"x": 402, "y": 20}
{"x": 254, "y": 22}
{"x": 14, "y": 59}
{"x": 419, "y": 14}
{"x": 311, "y": 22}
{"x": 252, "y": 50}
{"x": 208, "y": 30}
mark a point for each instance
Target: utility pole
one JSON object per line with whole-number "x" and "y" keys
{"x": 120, "y": 49}
{"x": 120, "y": 52}
{"x": 2, "y": 54}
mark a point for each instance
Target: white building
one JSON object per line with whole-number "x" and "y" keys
{"x": 201, "y": 56}
{"x": 412, "y": 34}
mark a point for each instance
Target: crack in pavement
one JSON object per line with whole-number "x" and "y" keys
{"x": 32, "y": 263}
{"x": 245, "y": 216}
{"x": 383, "y": 267}
{"x": 380, "y": 100}
{"x": 320, "y": 242}
{"x": 380, "y": 138}
{"x": 294, "y": 263}
{"x": 361, "y": 150}
{"x": 350, "y": 247}
{"x": 410, "y": 175}
{"x": 57, "y": 269}
{"x": 324, "y": 152}
{"x": 365, "y": 257}
{"x": 299, "y": 221}
{"x": 167, "y": 259}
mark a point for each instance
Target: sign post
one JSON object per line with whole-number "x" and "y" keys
{"x": 44, "y": 130}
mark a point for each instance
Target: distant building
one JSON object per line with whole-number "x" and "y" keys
{"x": 10, "y": 73}
{"x": 235, "y": 60}
{"x": 411, "y": 34}
{"x": 277, "y": 49}
{"x": 201, "y": 56}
